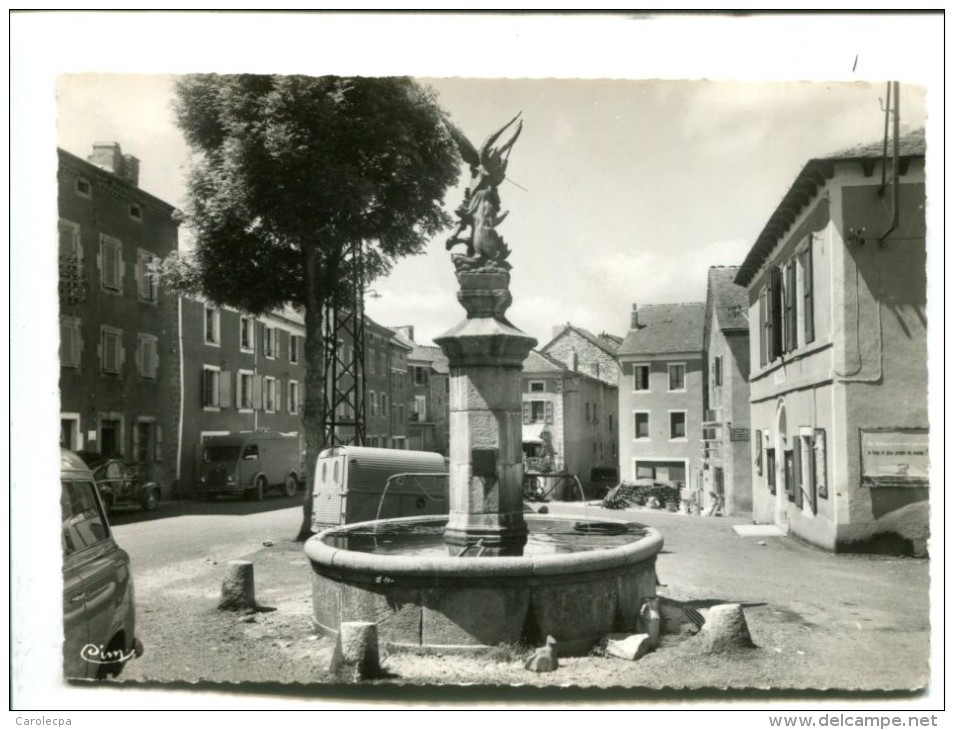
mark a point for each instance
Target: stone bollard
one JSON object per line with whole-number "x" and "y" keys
{"x": 356, "y": 654}
{"x": 650, "y": 621}
{"x": 627, "y": 646}
{"x": 238, "y": 588}
{"x": 725, "y": 629}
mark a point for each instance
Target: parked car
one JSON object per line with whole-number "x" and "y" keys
{"x": 119, "y": 483}
{"x": 99, "y": 612}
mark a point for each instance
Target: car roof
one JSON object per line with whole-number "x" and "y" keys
{"x": 70, "y": 462}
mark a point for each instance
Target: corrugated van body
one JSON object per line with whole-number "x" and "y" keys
{"x": 350, "y": 485}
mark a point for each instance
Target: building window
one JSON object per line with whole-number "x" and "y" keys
{"x": 245, "y": 383}
{"x": 677, "y": 425}
{"x": 293, "y": 403}
{"x": 420, "y": 408}
{"x": 110, "y": 263}
{"x": 640, "y": 378}
{"x": 135, "y": 212}
{"x": 111, "y": 350}
{"x": 384, "y": 404}
{"x": 211, "y": 387}
{"x": 83, "y": 188}
{"x": 587, "y": 412}
{"x": 537, "y": 411}
{"x": 537, "y": 386}
{"x": 212, "y": 319}
{"x": 268, "y": 344}
{"x": 71, "y": 343}
{"x": 373, "y": 400}
{"x": 247, "y": 334}
{"x": 610, "y": 420}
{"x": 293, "y": 349}
{"x": 596, "y": 418}
{"x": 148, "y": 355}
{"x": 641, "y": 425}
{"x": 677, "y": 376}
{"x": 808, "y": 295}
{"x": 401, "y": 413}
{"x": 270, "y": 394}
{"x": 717, "y": 370}
{"x": 148, "y": 285}
{"x": 420, "y": 376}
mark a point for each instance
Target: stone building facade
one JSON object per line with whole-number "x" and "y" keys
{"x": 119, "y": 344}
{"x": 582, "y": 351}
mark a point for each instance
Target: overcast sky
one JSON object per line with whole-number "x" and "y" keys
{"x": 629, "y": 190}
{"x": 622, "y": 191}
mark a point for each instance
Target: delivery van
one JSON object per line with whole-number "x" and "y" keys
{"x": 251, "y": 464}
{"x": 359, "y": 483}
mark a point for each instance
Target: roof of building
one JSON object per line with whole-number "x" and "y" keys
{"x": 666, "y": 328}
{"x": 434, "y": 355}
{"x": 539, "y": 363}
{"x": 606, "y": 342}
{"x": 729, "y": 300}
{"x": 809, "y": 181}
{"x": 109, "y": 178}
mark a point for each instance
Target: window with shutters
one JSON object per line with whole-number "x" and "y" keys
{"x": 244, "y": 390}
{"x": 212, "y": 324}
{"x": 148, "y": 284}
{"x": 111, "y": 263}
{"x": 211, "y": 387}
{"x": 148, "y": 356}
{"x": 293, "y": 349}
{"x": 538, "y": 411}
{"x": 71, "y": 344}
{"x": 293, "y": 396}
{"x": 677, "y": 425}
{"x": 72, "y": 283}
{"x": 641, "y": 425}
{"x": 111, "y": 350}
{"x": 269, "y": 395}
{"x": 373, "y": 401}
{"x": 247, "y": 334}
{"x": 269, "y": 344}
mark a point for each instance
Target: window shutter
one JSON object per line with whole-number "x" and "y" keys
{"x": 808, "y": 286}
{"x": 797, "y": 470}
{"x": 225, "y": 388}
{"x": 278, "y": 395}
{"x": 204, "y": 387}
{"x": 763, "y": 337}
{"x": 526, "y": 412}
{"x": 257, "y": 384}
{"x": 548, "y": 412}
{"x": 791, "y": 318}
{"x": 136, "y": 436}
{"x": 153, "y": 358}
{"x": 67, "y": 345}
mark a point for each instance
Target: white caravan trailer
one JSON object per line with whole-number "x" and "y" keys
{"x": 352, "y": 485}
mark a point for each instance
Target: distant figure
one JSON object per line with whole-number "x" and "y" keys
{"x": 480, "y": 209}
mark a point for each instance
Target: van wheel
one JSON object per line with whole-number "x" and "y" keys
{"x": 291, "y": 485}
{"x": 258, "y": 491}
{"x": 151, "y": 501}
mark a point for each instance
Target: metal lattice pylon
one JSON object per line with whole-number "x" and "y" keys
{"x": 343, "y": 331}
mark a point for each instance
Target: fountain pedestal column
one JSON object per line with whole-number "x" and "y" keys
{"x": 486, "y": 355}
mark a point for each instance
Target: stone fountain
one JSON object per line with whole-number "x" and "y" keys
{"x": 488, "y": 573}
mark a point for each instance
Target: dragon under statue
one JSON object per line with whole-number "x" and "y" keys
{"x": 486, "y": 251}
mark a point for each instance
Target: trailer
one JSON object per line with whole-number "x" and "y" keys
{"x": 359, "y": 483}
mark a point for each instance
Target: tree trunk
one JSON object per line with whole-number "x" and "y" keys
{"x": 313, "y": 417}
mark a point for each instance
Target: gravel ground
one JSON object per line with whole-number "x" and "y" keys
{"x": 835, "y": 632}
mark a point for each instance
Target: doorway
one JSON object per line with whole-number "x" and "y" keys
{"x": 110, "y": 432}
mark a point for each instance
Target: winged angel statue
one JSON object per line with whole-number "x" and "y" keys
{"x": 480, "y": 210}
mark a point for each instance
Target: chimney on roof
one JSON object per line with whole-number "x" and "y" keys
{"x": 634, "y": 319}
{"x": 109, "y": 156}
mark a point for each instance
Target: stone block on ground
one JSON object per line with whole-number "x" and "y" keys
{"x": 544, "y": 659}
{"x": 628, "y": 646}
{"x": 356, "y": 656}
{"x": 725, "y": 629}
{"x": 238, "y": 587}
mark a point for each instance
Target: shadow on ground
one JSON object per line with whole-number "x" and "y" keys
{"x": 214, "y": 506}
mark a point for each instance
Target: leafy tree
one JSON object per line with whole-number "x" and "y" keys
{"x": 290, "y": 172}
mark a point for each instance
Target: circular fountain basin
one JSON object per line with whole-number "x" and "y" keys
{"x": 577, "y": 581}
